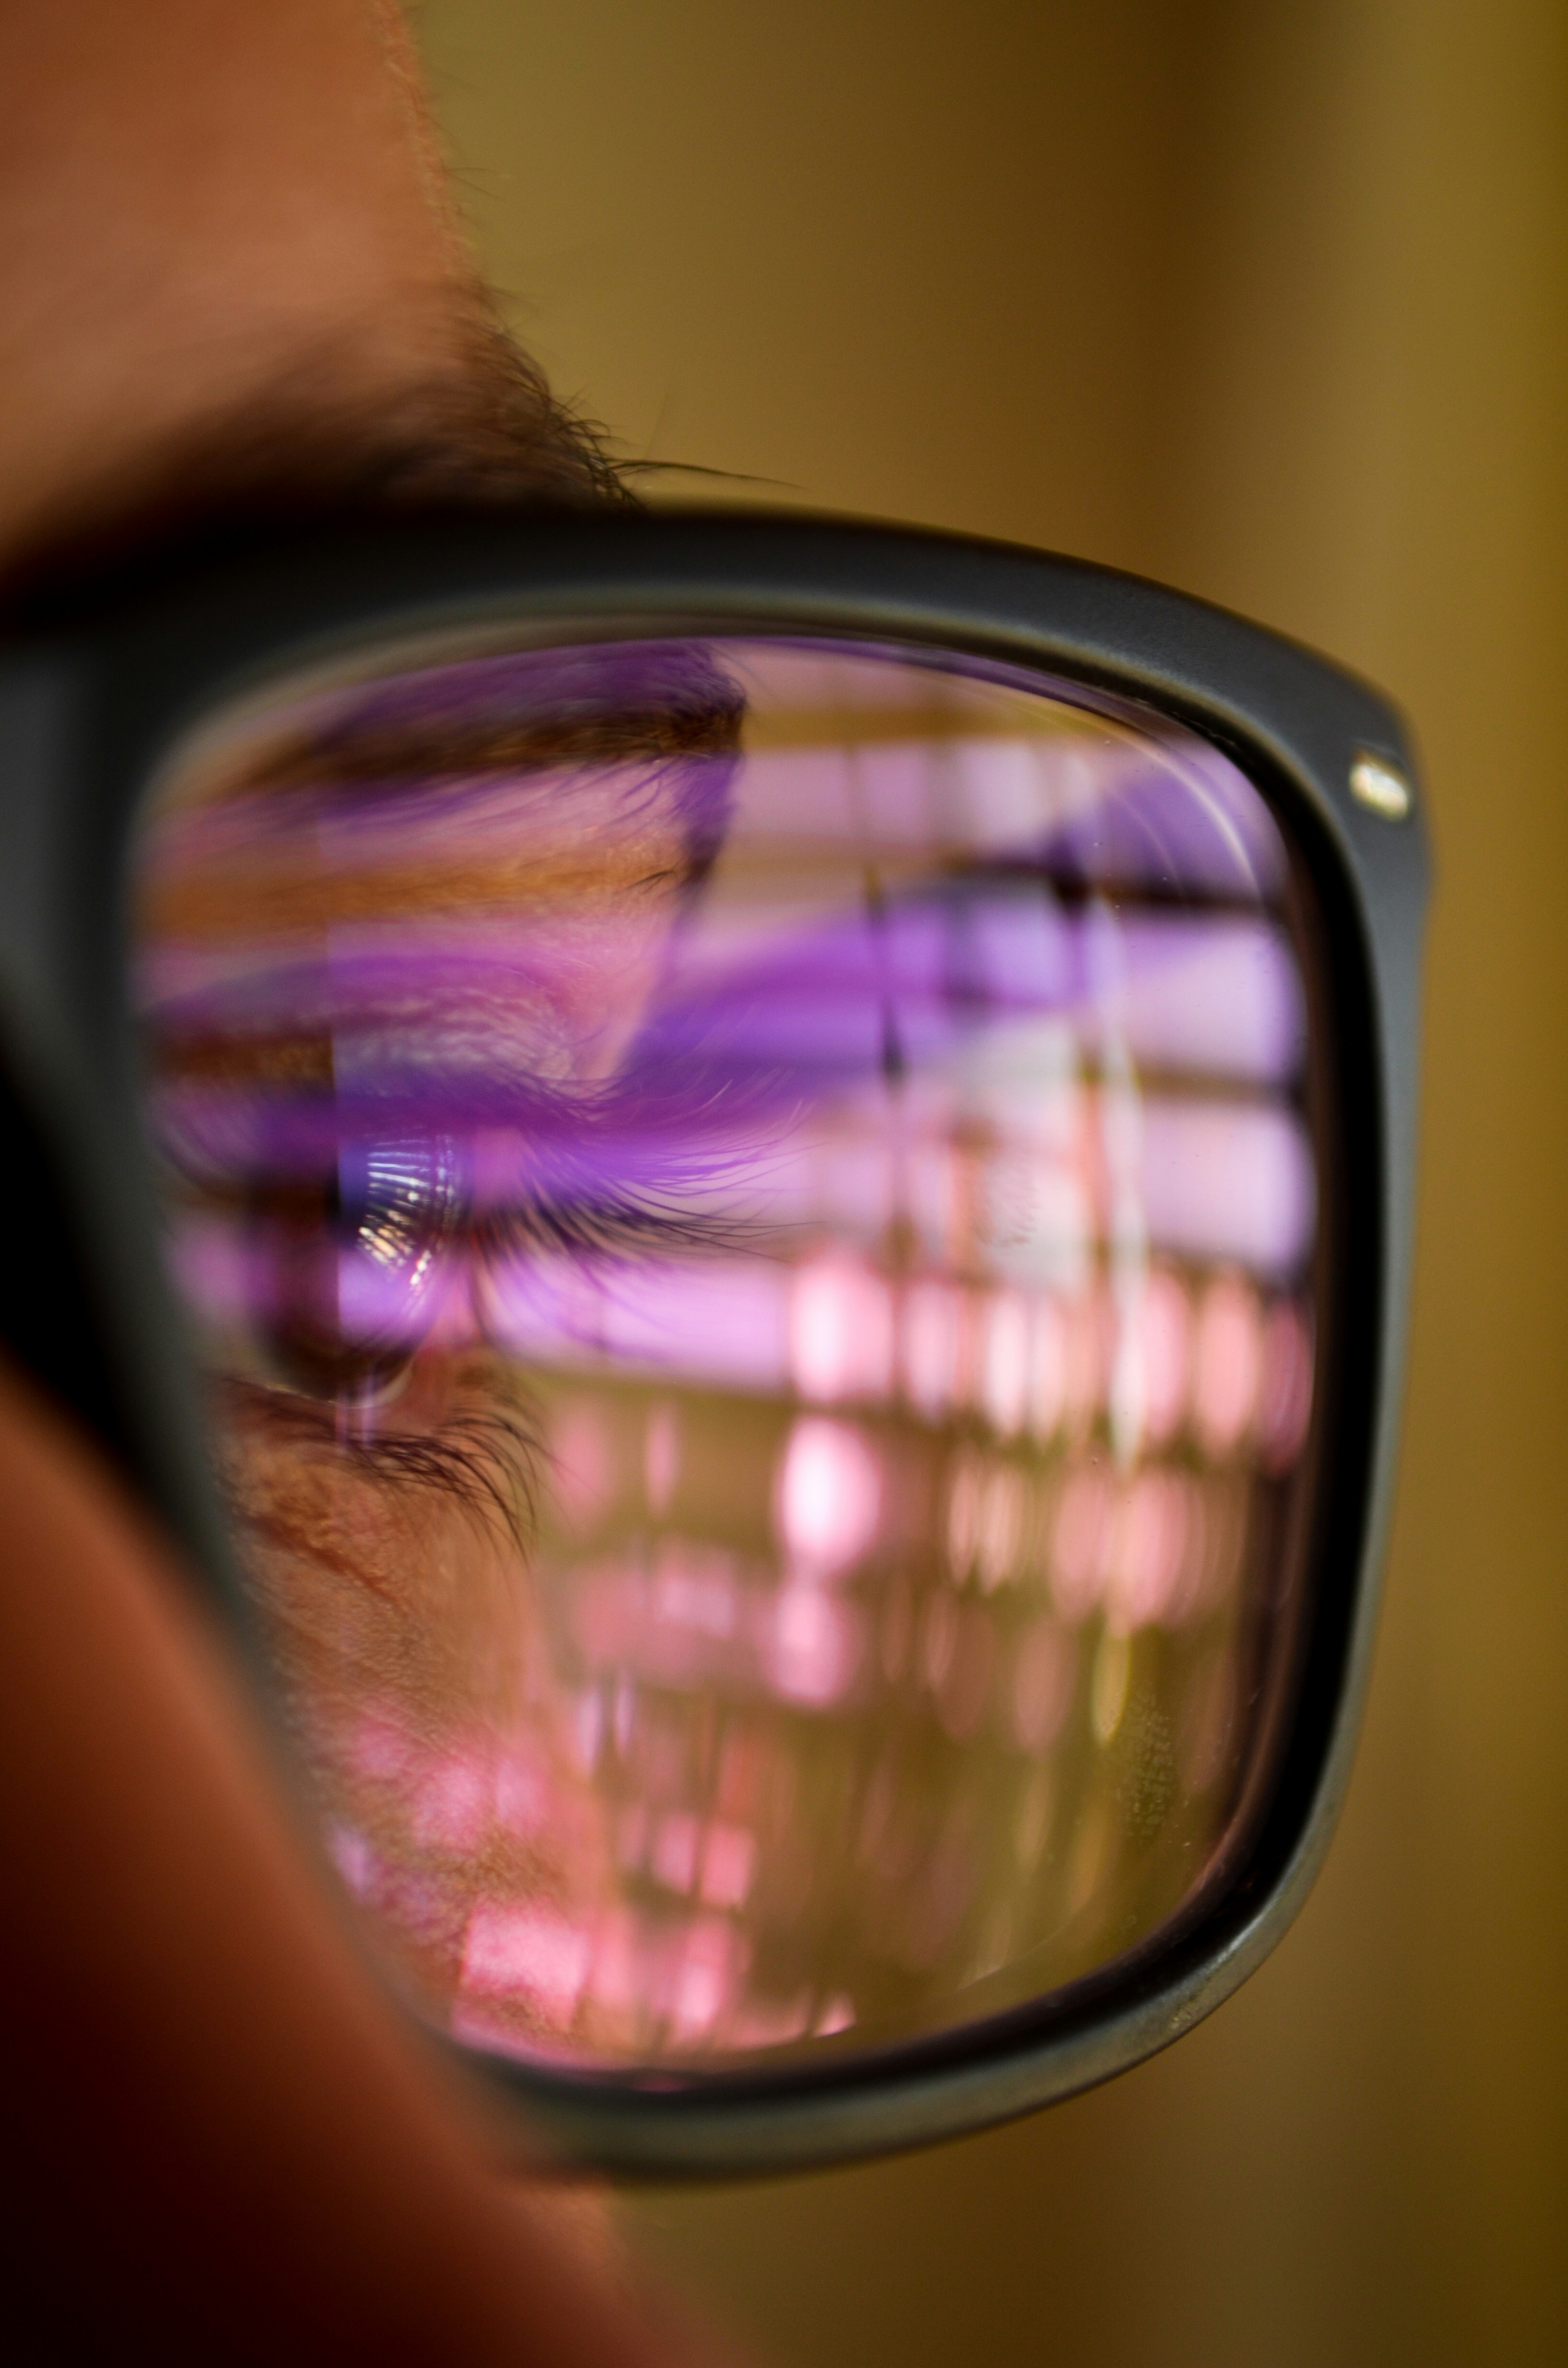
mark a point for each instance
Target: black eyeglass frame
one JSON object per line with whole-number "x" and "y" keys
{"x": 94, "y": 697}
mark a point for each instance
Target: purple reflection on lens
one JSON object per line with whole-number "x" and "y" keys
{"x": 803, "y": 1207}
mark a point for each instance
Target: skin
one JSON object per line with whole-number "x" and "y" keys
{"x": 229, "y": 274}
{"x": 403, "y": 1614}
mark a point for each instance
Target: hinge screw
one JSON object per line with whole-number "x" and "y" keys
{"x": 1381, "y": 786}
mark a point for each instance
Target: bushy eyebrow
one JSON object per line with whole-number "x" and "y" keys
{"x": 600, "y": 703}
{"x": 480, "y": 428}
{"x": 505, "y": 740}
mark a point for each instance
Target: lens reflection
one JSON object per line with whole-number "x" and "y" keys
{"x": 748, "y": 1211}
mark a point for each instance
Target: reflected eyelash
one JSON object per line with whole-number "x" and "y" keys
{"x": 606, "y": 1229}
{"x": 602, "y": 1229}
{"x": 555, "y": 1217}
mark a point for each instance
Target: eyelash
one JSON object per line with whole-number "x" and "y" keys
{"x": 605, "y": 1228}
{"x": 491, "y": 1462}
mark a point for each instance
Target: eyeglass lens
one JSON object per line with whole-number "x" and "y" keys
{"x": 749, "y": 1213}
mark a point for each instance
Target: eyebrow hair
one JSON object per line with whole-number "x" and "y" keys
{"x": 529, "y": 711}
{"x": 482, "y": 431}
{"x": 663, "y": 716}
{"x": 480, "y": 428}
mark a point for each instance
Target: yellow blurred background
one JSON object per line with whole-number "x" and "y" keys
{"x": 1266, "y": 298}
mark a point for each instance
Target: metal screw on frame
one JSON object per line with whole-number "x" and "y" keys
{"x": 1381, "y": 786}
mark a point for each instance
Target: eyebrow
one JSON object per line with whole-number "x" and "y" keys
{"x": 660, "y": 721}
{"x": 479, "y": 429}
{"x": 599, "y": 703}
{"x": 481, "y": 432}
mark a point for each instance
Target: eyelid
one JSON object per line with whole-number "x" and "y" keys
{"x": 489, "y": 1455}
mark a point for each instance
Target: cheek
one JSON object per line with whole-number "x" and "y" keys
{"x": 419, "y": 1683}
{"x": 369, "y": 1590}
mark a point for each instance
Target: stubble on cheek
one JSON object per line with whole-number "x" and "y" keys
{"x": 396, "y": 1593}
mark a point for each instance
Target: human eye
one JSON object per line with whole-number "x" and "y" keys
{"x": 750, "y": 1213}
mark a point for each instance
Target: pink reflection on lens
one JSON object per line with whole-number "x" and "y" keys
{"x": 940, "y": 1637}
{"x": 690, "y": 1623}
{"x": 1148, "y": 1551}
{"x": 1048, "y": 1369}
{"x": 212, "y": 1266}
{"x": 771, "y": 2022}
{"x": 661, "y": 1457}
{"x": 616, "y": 1979}
{"x": 674, "y": 1855}
{"x": 1286, "y": 1403}
{"x": 1165, "y": 1327}
{"x": 1004, "y": 1373}
{"x": 1227, "y": 1365}
{"x": 813, "y": 1647}
{"x": 1080, "y": 1539}
{"x": 1089, "y": 1338}
{"x": 932, "y": 1348}
{"x": 694, "y": 1586}
{"x": 999, "y": 1526}
{"x": 525, "y": 1796}
{"x": 963, "y": 1515}
{"x": 378, "y": 1299}
{"x": 838, "y": 2014}
{"x": 526, "y": 1953}
{"x": 728, "y": 1863}
{"x": 706, "y": 1976}
{"x": 840, "y": 1331}
{"x": 353, "y": 1857}
{"x": 587, "y": 1733}
{"x": 830, "y": 1497}
{"x": 380, "y": 1748}
{"x": 454, "y": 1805}
{"x": 584, "y": 1467}
{"x": 669, "y": 1164}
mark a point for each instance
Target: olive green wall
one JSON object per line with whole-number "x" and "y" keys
{"x": 1268, "y": 299}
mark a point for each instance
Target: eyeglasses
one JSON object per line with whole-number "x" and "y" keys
{"x": 743, "y": 1183}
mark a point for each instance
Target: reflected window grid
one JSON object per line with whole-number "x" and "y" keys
{"x": 877, "y": 1439}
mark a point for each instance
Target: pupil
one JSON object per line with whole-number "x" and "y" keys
{"x": 356, "y": 1283}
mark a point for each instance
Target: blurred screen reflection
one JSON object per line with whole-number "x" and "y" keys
{"x": 748, "y": 1209}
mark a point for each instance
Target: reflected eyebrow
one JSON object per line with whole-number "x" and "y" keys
{"x": 469, "y": 747}
{"x": 431, "y": 752}
{"x": 698, "y": 717}
{"x": 660, "y": 721}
